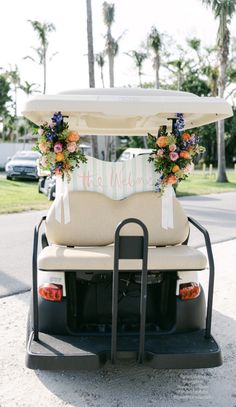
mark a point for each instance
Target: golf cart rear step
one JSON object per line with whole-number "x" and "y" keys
{"x": 162, "y": 351}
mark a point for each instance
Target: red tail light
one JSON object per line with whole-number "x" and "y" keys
{"x": 51, "y": 292}
{"x": 189, "y": 291}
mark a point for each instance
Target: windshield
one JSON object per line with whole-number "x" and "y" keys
{"x": 25, "y": 157}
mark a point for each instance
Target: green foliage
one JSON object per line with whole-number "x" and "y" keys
{"x": 195, "y": 84}
{"x": 5, "y": 97}
{"x": 230, "y": 139}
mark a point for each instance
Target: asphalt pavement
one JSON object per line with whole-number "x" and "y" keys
{"x": 217, "y": 212}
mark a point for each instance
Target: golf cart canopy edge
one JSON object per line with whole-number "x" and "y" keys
{"x": 126, "y": 111}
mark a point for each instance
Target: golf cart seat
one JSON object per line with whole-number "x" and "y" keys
{"x": 87, "y": 242}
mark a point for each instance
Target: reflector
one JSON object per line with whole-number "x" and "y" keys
{"x": 51, "y": 292}
{"x": 189, "y": 291}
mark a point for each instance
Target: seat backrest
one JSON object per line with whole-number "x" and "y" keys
{"x": 94, "y": 218}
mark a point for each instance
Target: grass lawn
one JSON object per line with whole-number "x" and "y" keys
{"x": 18, "y": 196}
{"x": 198, "y": 184}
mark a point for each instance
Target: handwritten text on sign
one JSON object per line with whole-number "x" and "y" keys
{"x": 116, "y": 180}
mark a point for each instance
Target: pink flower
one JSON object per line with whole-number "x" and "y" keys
{"x": 43, "y": 147}
{"x": 40, "y": 131}
{"x": 71, "y": 147}
{"x": 160, "y": 153}
{"x": 173, "y": 156}
{"x": 58, "y": 147}
{"x": 172, "y": 147}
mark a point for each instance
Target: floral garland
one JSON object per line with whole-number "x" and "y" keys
{"x": 173, "y": 153}
{"x": 59, "y": 147}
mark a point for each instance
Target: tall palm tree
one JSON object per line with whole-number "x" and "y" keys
{"x": 112, "y": 46}
{"x": 154, "y": 42}
{"x": 90, "y": 44}
{"x": 139, "y": 58}
{"x": 223, "y": 11}
{"x": 94, "y": 140}
{"x": 42, "y": 30}
{"x": 177, "y": 67}
{"x": 14, "y": 77}
{"x": 29, "y": 88}
{"x": 100, "y": 59}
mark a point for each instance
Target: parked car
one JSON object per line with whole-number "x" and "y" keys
{"x": 23, "y": 165}
{"x": 47, "y": 186}
{"x": 130, "y": 153}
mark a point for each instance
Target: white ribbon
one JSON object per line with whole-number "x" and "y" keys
{"x": 167, "y": 219}
{"x": 62, "y": 197}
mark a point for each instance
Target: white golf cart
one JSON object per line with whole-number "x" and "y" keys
{"x": 112, "y": 279}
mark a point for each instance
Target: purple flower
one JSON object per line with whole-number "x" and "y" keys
{"x": 58, "y": 147}
{"x": 57, "y": 118}
{"x": 180, "y": 121}
{"x": 50, "y": 135}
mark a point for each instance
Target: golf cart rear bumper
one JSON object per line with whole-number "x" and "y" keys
{"x": 172, "y": 351}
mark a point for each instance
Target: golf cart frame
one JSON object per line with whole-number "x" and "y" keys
{"x": 187, "y": 343}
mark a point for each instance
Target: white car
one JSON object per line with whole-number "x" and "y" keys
{"x": 130, "y": 153}
{"x": 23, "y": 165}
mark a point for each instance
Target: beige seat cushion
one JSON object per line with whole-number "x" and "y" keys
{"x": 95, "y": 217}
{"x": 102, "y": 258}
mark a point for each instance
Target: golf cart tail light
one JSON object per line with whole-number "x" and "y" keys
{"x": 189, "y": 291}
{"x": 51, "y": 292}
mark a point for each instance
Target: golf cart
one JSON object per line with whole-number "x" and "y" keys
{"x": 116, "y": 277}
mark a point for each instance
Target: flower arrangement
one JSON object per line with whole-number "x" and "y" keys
{"x": 173, "y": 153}
{"x": 59, "y": 147}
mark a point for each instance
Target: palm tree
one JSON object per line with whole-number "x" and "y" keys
{"x": 177, "y": 67}
{"x": 112, "y": 46}
{"x": 14, "y": 77}
{"x": 94, "y": 140}
{"x": 139, "y": 58}
{"x": 90, "y": 44}
{"x": 223, "y": 11}
{"x": 42, "y": 30}
{"x": 29, "y": 88}
{"x": 154, "y": 42}
{"x": 101, "y": 62}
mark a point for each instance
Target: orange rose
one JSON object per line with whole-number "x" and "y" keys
{"x": 162, "y": 141}
{"x": 186, "y": 136}
{"x": 60, "y": 157}
{"x": 184, "y": 154}
{"x": 175, "y": 168}
{"x": 171, "y": 179}
{"x": 73, "y": 136}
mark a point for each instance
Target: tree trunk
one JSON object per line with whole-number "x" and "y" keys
{"x": 102, "y": 77}
{"x": 157, "y": 68}
{"x": 90, "y": 44}
{"x": 111, "y": 70}
{"x": 44, "y": 70}
{"x": 93, "y": 139}
{"x": 140, "y": 75}
{"x": 221, "y": 173}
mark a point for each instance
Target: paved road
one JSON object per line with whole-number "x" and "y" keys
{"x": 217, "y": 212}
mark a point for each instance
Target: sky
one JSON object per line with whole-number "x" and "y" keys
{"x": 69, "y": 68}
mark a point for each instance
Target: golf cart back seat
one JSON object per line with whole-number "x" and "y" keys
{"x": 87, "y": 242}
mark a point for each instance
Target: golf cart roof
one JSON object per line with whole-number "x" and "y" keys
{"x": 126, "y": 111}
